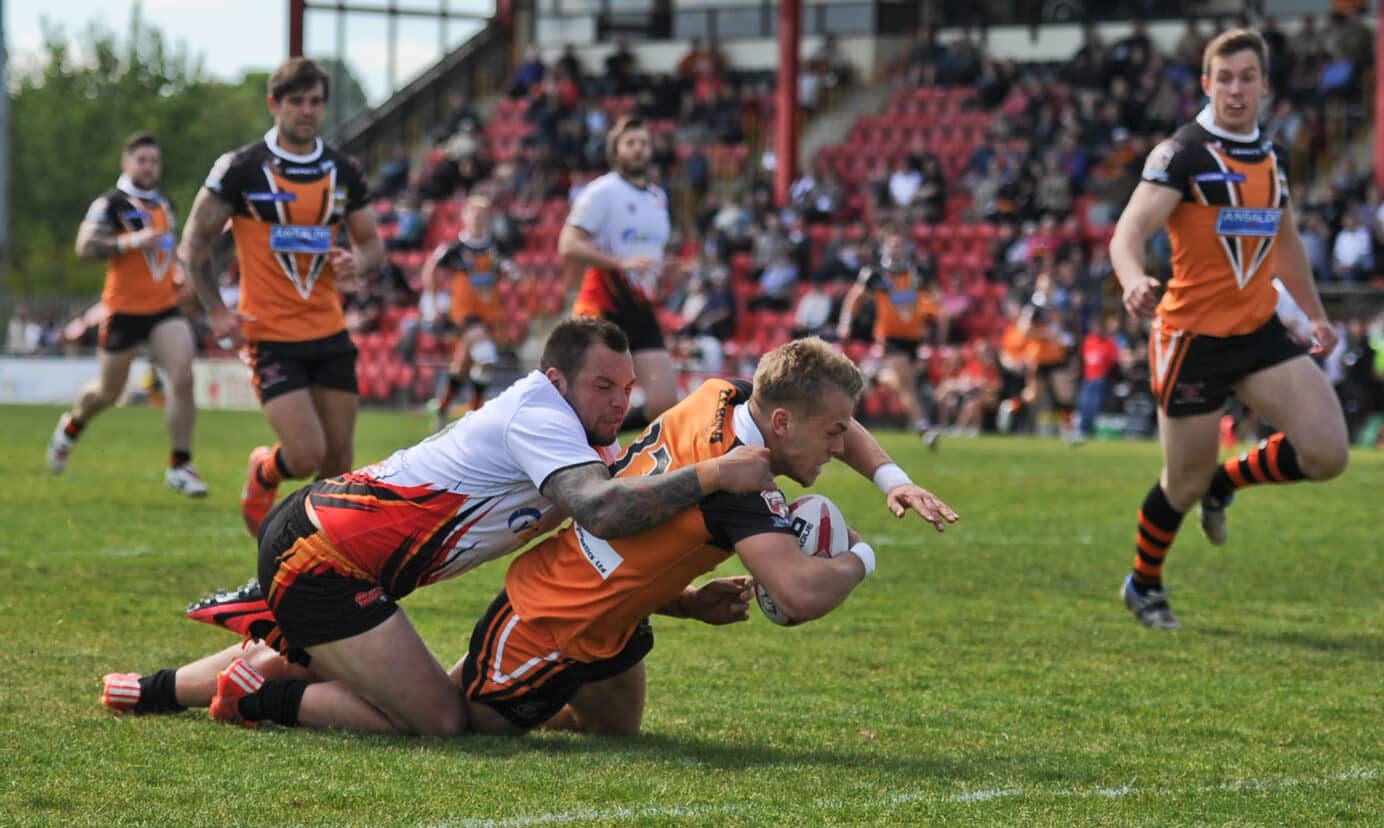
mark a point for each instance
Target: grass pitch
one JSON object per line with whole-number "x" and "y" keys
{"x": 989, "y": 676}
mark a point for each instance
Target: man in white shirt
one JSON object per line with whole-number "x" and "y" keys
{"x": 616, "y": 233}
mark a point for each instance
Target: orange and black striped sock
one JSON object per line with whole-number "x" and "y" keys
{"x": 1274, "y": 460}
{"x": 1158, "y": 523}
{"x": 176, "y": 458}
{"x": 273, "y": 471}
{"x": 73, "y": 428}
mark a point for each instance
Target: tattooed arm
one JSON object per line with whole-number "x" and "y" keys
{"x": 619, "y": 507}
{"x": 204, "y": 225}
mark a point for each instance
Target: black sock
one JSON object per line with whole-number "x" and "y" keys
{"x": 158, "y": 694}
{"x": 277, "y": 701}
{"x": 635, "y": 419}
{"x": 179, "y": 458}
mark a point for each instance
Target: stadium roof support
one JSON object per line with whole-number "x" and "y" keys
{"x": 786, "y": 128}
{"x": 1378, "y": 104}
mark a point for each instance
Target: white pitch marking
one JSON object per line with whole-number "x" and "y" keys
{"x": 985, "y": 795}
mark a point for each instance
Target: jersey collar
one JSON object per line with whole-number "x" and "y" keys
{"x": 127, "y": 186}
{"x": 1206, "y": 119}
{"x": 271, "y": 138}
{"x": 746, "y": 429}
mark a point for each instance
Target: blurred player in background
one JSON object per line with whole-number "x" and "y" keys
{"x": 286, "y": 196}
{"x": 616, "y": 234}
{"x": 907, "y": 311}
{"x": 131, "y": 226}
{"x": 476, "y": 268}
{"x": 1222, "y": 191}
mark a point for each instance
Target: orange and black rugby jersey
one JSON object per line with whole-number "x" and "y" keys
{"x": 590, "y": 594}
{"x": 904, "y": 303}
{"x": 286, "y": 212}
{"x": 138, "y": 281}
{"x": 475, "y": 267}
{"x": 1234, "y": 199}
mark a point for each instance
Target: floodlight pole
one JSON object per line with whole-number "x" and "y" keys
{"x": 297, "y": 10}
{"x": 786, "y": 99}
{"x": 4, "y": 155}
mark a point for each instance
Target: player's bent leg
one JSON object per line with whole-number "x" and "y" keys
{"x": 611, "y": 707}
{"x": 1189, "y": 456}
{"x": 96, "y": 396}
{"x": 336, "y": 412}
{"x": 172, "y": 346}
{"x": 302, "y": 440}
{"x": 1298, "y": 399}
{"x": 658, "y": 377}
{"x": 384, "y": 680}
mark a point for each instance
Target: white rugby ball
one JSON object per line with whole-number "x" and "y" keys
{"x": 821, "y": 531}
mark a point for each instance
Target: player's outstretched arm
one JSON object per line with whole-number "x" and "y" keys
{"x": 865, "y": 455}
{"x": 619, "y": 507}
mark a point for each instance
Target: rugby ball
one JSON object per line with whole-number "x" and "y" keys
{"x": 821, "y": 531}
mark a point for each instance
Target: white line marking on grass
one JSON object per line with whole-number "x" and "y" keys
{"x": 585, "y": 815}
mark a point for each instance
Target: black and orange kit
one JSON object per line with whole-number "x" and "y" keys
{"x": 904, "y": 306}
{"x": 575, "y": 608}
{"x": 141, "y": 288}
{"x": 1216, "y": 322}
{"x": 475, "y": 293}
{"x": 286, "y": 212}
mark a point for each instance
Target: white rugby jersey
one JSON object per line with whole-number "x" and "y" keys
{"x": 625, "y": 220}
{"x": 465, "y": 495}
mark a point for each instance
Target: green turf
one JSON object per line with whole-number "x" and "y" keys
{"x": 986, "y": 676}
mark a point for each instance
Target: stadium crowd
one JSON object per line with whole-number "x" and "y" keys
{"x": 1005, "y": 179}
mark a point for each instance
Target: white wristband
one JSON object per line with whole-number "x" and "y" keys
{"x": 890, "y": 475}
{"x": 866, "y": 555}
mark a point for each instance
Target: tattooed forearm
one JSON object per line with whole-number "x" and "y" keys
{"x": 94, "y": 243}
{"x": 620, "y": 507}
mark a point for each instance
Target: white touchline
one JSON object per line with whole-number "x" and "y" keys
{"x": 985, "y": 795}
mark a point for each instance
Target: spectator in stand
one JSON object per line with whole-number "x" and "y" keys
{"x": 1316, "y": 242}
{"x": 708, "y": 312}
{"x": 529, "y": 73}
{"x": 411, "y": 226}
{"x": 569, "y": 64}
{"x": 25, "y": 335}
{"x": 903, "y": 185}
{"x": 968, "y": 388}
{"x": 1352, "y": 254}
{"x": 620, "y": 68}
{"x": 394, "y": 173}
{"x": 816, "y": 311}
{"x": 460, "y": 116}
{"x": 702, "y": 68}
{"x": 1101, "y": 351}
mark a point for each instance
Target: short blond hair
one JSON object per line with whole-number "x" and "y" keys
{"x": 797, "y": 375}
{"x": 1231, "y": 41}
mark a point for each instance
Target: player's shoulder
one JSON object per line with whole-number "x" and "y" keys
{"x": 343, "y": 162}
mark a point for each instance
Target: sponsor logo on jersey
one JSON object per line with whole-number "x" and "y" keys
{"x": 135, "y": 215}
{"x": 632, "y": 235}
{"x": 1247, "y": 221}
{"x": 718, "y": 426}
{"x": 271, "y": 196}
{"x": 373, "y": 596}
{"x": 601, "y": 555}
{"x": 522, "y": 520}
{"x": 778, "y": 505}
{"x": 300, "y": 238}
{"x": 1220, "y": 176}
